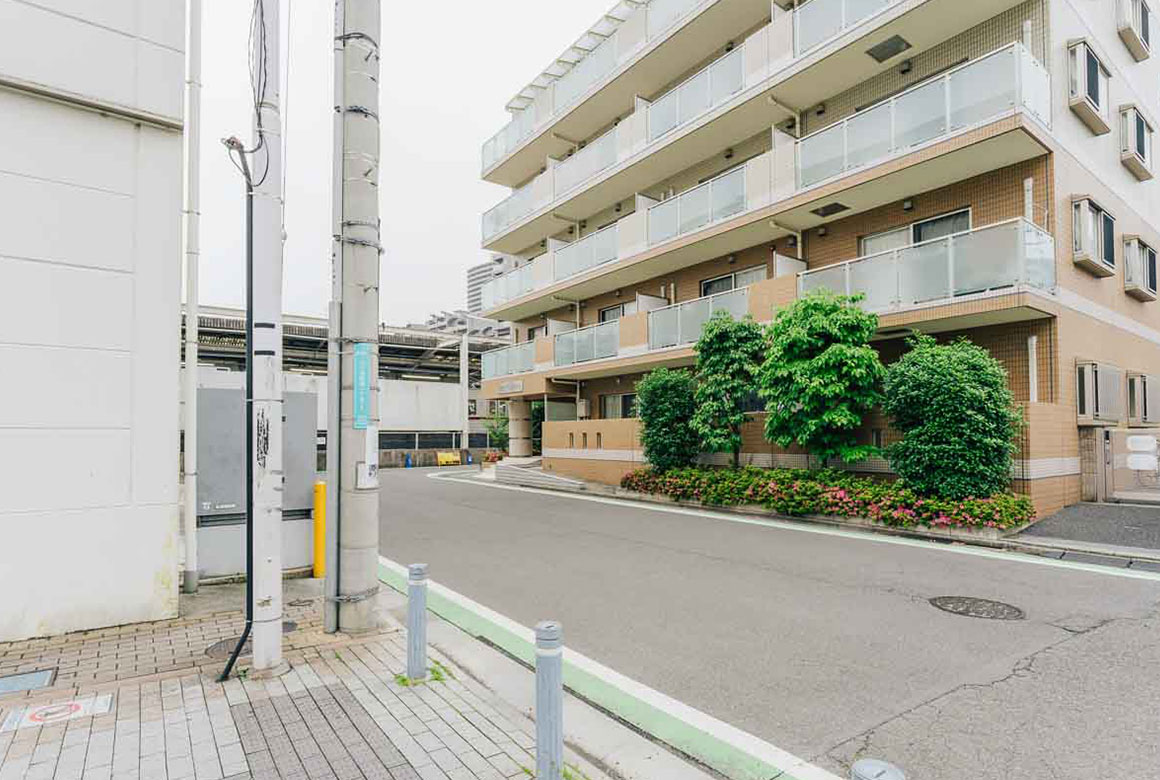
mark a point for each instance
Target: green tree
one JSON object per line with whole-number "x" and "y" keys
{"x": 664, "y": 403}
{"x": 729, "y": 354}
{"x": 957, "y": 416}
{"x": 497, "y": 429}
{"x": 821, "y": 376}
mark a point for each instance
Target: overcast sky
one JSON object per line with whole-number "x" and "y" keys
{"x": 448, "y": 68}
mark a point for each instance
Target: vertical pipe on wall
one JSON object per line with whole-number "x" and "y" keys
{"x": 191, "y": 214}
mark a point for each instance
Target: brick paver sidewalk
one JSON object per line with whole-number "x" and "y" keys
{"x": 340, "y": 712}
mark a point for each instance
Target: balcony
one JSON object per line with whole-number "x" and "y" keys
{"x": 516, "y": 359}
{"x": 595, "y": 342}
{"x": 951, "y": 103}
{"x": 710, "y": 87}
{"x": 1004, "y": 256}
{"x": 631, "y": 51}
{"x": 695, "y": 208}
{"x": 819, "y": 21}
{"x": 681, "y": 324}
{"x": 594, "y": 249}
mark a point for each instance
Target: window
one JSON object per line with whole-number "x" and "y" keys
{"x": 1093, "y": 237}
{"x": 618, "y": 406}
{"x": 733, "y": 281}
{"x": 471, "y": 407}
{"x": 1139, "y": 269}
{"x": 924, "y": 230}
{"x": 1135, "y": 25}
{"x": 1136, "y": 142}
{"x": 752, "y": 403}
{"x": 616, "y": 312}
{"x": 1088, "y": 87}
{"x": 1099, "y": 389}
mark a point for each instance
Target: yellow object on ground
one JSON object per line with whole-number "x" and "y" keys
{"x": 319, "y": 529}
{"x": 449, "y": 459}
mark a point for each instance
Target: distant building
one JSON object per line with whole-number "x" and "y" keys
{"x": 459, "y": 322}
{"x": 479, "y": 275}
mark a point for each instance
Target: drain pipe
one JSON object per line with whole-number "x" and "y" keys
{"x": 235, "y": 145}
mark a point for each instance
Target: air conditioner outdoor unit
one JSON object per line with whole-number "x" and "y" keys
{"x": 582, "y": 409}
{"x": 1143, "y": 399}
{"x": 1099, "y": 393}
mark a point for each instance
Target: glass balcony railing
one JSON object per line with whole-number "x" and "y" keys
{"x": 585, "y": 163}
{"x": 682, "y": 323}
{"x": 995, "y": 257}
{"x": 714, "y": 200}
{"x": 595, "y": 342}
{"x": 519, "y": 204}
{"x": 817, "y": 21}
{"x": 499, "y": 145}
{"x": 662, "y": 13}
{"x": 592, "y": 250}
{"x": 516, "y": 359}
{"x": 709, "y": 88}
{"x": 596, "y": 65}
{"x": 961, "y": 98}
{"x": 511, "y": 285}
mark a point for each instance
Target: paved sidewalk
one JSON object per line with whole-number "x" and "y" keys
{"x": 142, "y": 702}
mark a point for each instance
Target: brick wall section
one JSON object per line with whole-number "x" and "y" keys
{"x": 992, "y": 197}
{"x": 993, "y": 34}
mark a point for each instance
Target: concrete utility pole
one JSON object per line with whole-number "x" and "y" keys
{"x": 192, "y": 250}
{"x": 352, "y": 434}
{"x": 465, "y": 387}
{"x": 265, "y": 354}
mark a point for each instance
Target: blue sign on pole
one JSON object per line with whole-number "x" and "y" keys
{"x": 362, "y": 386}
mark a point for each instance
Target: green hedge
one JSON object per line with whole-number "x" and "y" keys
{"x": 797, "y": 492}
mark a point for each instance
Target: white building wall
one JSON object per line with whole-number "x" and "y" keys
{"x": 90, "y": 262}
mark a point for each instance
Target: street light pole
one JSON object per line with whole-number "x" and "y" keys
{"x": 352, "y": 434}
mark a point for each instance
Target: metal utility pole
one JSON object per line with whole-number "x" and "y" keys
{"x": 192, "y": 215}
{"x": 352, "y": 433}
{"x": 265, "y": 345}
{"x": 465, "y": 388}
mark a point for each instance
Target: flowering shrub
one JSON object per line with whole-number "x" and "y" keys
{"x": 796, "y": 492}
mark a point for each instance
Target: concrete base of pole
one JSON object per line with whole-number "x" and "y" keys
{"x": 269, "y": 674}
{"x": 189, "y": 581}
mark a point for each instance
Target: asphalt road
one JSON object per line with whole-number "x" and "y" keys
{"x": 824, "y": 645}
{"x": 1128, "y": 525}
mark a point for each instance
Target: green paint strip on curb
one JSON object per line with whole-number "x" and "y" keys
{"x": 704, "y": 747}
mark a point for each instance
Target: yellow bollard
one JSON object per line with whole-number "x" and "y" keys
{"x": 319, "y": 529}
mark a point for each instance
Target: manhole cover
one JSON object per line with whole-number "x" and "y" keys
{"x": 225, "y": 647}
{"x": 968, "y": 606}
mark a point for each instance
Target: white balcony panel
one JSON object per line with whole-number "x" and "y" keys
{"x": 682, "y": 323}
{"x": 817, "y": 21}
{"x": 996, "y": 257}
{"x": 962, "y": 98}
{"x": 592, "y": 250}
{"x": 595, "y": 342}
{"x": 516, "y": 359}
{"x": 706, "y": 89}
{"x": 585, "y": 163}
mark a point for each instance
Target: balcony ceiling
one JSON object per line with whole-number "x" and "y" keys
{"x": 896, "y": 183}
{"x": 844, "y": 63}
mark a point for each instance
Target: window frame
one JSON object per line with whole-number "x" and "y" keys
{"x": 620, "y": 403}
{"x": 1078, "y": 86}
{"x": 732, "y": 275}
{"x": 912, "y": 226}
{"x": 1098, "y": 218}
{"x": 1134, "y": 128}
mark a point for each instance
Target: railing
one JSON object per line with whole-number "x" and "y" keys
{"x": 662, "y": 13}
{"x": 592, "y": 250}
{"x": 682, "y": 323}
{"x": 583, "y": 164}
{"x": 817, "y": 21}
{"x": 949, "y": 103}
{"x": 594, "y": 342}
{"x": 711, "y": 87}
{"x": 511, "y": 285}
{"x": 998, "y": 256}
{"x": 714, "y": 200}
{"x": 519, "y": 204}
{"x": 596, "y": 65}
{"x": 509, "y": 137}
{"x": 516, "y": 359}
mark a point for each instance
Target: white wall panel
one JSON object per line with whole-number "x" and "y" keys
{"x": 51, "y": 141}
{"x": 57, "y": 50}
{"x": 47, "y": 468}
{"x": 62, "y": 306}
{"x": 64, "y": 388}
{"x": 419, "y": 406}
{"x": 119, "y": 565}
{"x": 67, "y": 224}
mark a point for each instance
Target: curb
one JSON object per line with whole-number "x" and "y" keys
{"x": 700, "y": 737}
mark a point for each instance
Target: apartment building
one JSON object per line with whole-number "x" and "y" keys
{"x": 978, "y": 168}
{"x": 482, "y": 273}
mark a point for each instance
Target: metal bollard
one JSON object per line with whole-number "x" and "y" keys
{"x": 417, "y": 621}
{"x": 549, "y": 701}
{"x": 873, "y": 769}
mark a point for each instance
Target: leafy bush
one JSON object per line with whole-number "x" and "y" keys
{"x": 797, "y": 492}
{"x": 664, "y": 402}
{"x": 729, "y": 354}
{"x": 821, "y": 376}
{"x": 497, "y": 429}
{"x": 957, "y": 416}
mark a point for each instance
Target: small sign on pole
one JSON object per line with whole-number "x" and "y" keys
{"x": 362, "y": 385}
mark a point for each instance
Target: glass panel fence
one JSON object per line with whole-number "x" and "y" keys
{"x": 923, "y": 274}
{"x": 818, "y": 21}
{"x": 985, "y": 259}
{"x": 728, "y": 196}
{"x": 662, "y": 13}
{"x": 597, "y": 64}
{"x": 662, "y": 221}
{"x": 695, "y": 208}
{"x": 592, "y": 250}
{"x": 590, "y": 160}
{"x": 708, "y": 88}
{"x": 516, "y": 359}
{"x": 595, "y": 342}
{"x": 663, "y": 327}
{"x": 682, "y": 323}
{"x": 716, "y": 199}
{"x": 960, "y": 98}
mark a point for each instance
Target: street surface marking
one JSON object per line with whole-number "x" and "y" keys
{"x": 727, "y": 749}
{"x": 804, "y": 527}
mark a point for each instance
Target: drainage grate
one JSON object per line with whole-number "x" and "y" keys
{"x": 968, "y": 606}
{"x": 225, "y": 647}
{"x": 27, "y": 681}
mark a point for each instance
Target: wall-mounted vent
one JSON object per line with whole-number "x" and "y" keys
{"x": 891, "y": 47}
{"x": 830, "y": 209}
